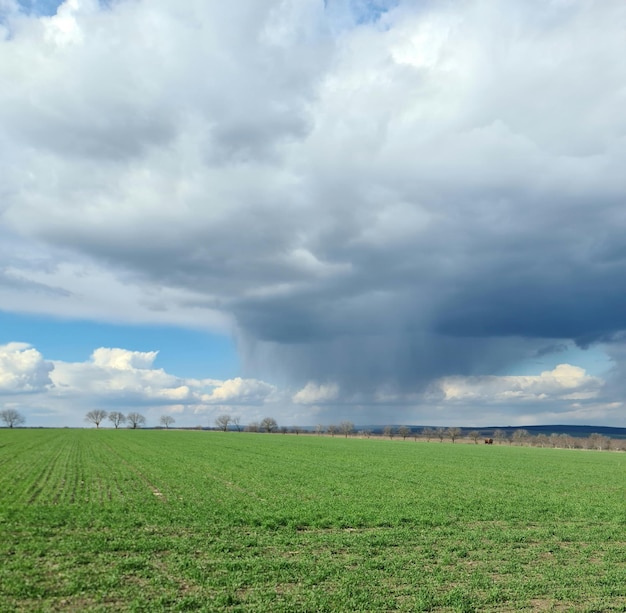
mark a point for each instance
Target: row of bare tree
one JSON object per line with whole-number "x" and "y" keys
{"x": 134, "y": 420}
{"x": 346, "y": 428}
{"x": 12, "y": 418}
{"x": 267, "y": 424}
{"x": 499, "y": 436}
{"x": 562, "y": 441}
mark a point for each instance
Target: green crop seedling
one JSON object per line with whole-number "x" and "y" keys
{"x": 119, "y": 520}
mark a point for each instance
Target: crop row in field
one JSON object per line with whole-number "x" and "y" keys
{"x": 149, "y": 520}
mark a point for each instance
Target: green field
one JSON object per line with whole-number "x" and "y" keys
{"x": 206, "y": 521}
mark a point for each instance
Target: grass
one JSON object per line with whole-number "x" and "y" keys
{"x": 156, "y": 520}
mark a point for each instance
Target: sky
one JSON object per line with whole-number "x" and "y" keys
{"x": 388, "y": 212}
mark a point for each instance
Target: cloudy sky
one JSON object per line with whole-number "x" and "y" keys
{"x": 387, "y": 211}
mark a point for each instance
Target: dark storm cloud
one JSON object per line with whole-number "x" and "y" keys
{"x": 431, "y": 190}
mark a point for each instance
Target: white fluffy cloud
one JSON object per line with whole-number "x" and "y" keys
{"x": 118, "y": 376}
{"x": 23, "y": 369}
{"x": 313, "y": 393}
{"x": 239, "y": 391}
{"x": 117, "y": 384}
{"x": 565, "y": 382}
{"x": 114, "y": 378}
{"x": 121, "y": 359}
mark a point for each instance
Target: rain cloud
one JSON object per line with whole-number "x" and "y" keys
{"x": 373, "y": 197}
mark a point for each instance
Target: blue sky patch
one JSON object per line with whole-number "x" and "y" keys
{"x": 191, "y": 353}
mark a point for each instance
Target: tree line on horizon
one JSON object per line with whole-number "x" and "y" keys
{"x": 499, "y": 436}
{"x": 226, "y": 422}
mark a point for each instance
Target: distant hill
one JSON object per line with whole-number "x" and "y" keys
{"x": 578, "y": 431}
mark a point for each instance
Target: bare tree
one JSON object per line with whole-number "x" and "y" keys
{"x": 332, "y": 429}
{"x": 135, "y": 420}
{"x": 554, "y": 440}
{"x": 269, "y": 424}
{"x": 568, "y": 441}
{"x": 474, "y": 435}
{"x": 389, "y": 431}
{"x": 542, "y": 440}
{"x": 365, "y": 433}
{"x": 441, "y": 434}
{"x": 284, "y": 429}
{"x": 117, "y": 418}
{"x": 253, "y": 426}
{"x": 520, "y": 436}
{"x": 499, "y": 436}
{"x": 319, "y": 429}
{"x": 12, "y": 418}
{"x": 599, "y": 441}
{"x": 166, "y": 420}
{"x": 453, "y": 433}
{"x": 428, "y": 433}
{"x": 404, "y": 431}
{"x": 223, "y": 421}
{"x": 96, "y": 416}
{"x": 346, "y": 428}
{"x": 297, "y": 430}
{"x": 236, "y": 421}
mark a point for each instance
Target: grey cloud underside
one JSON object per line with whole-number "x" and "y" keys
{"x": 440, "y": 193}
{"x": 12, "y": 281}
